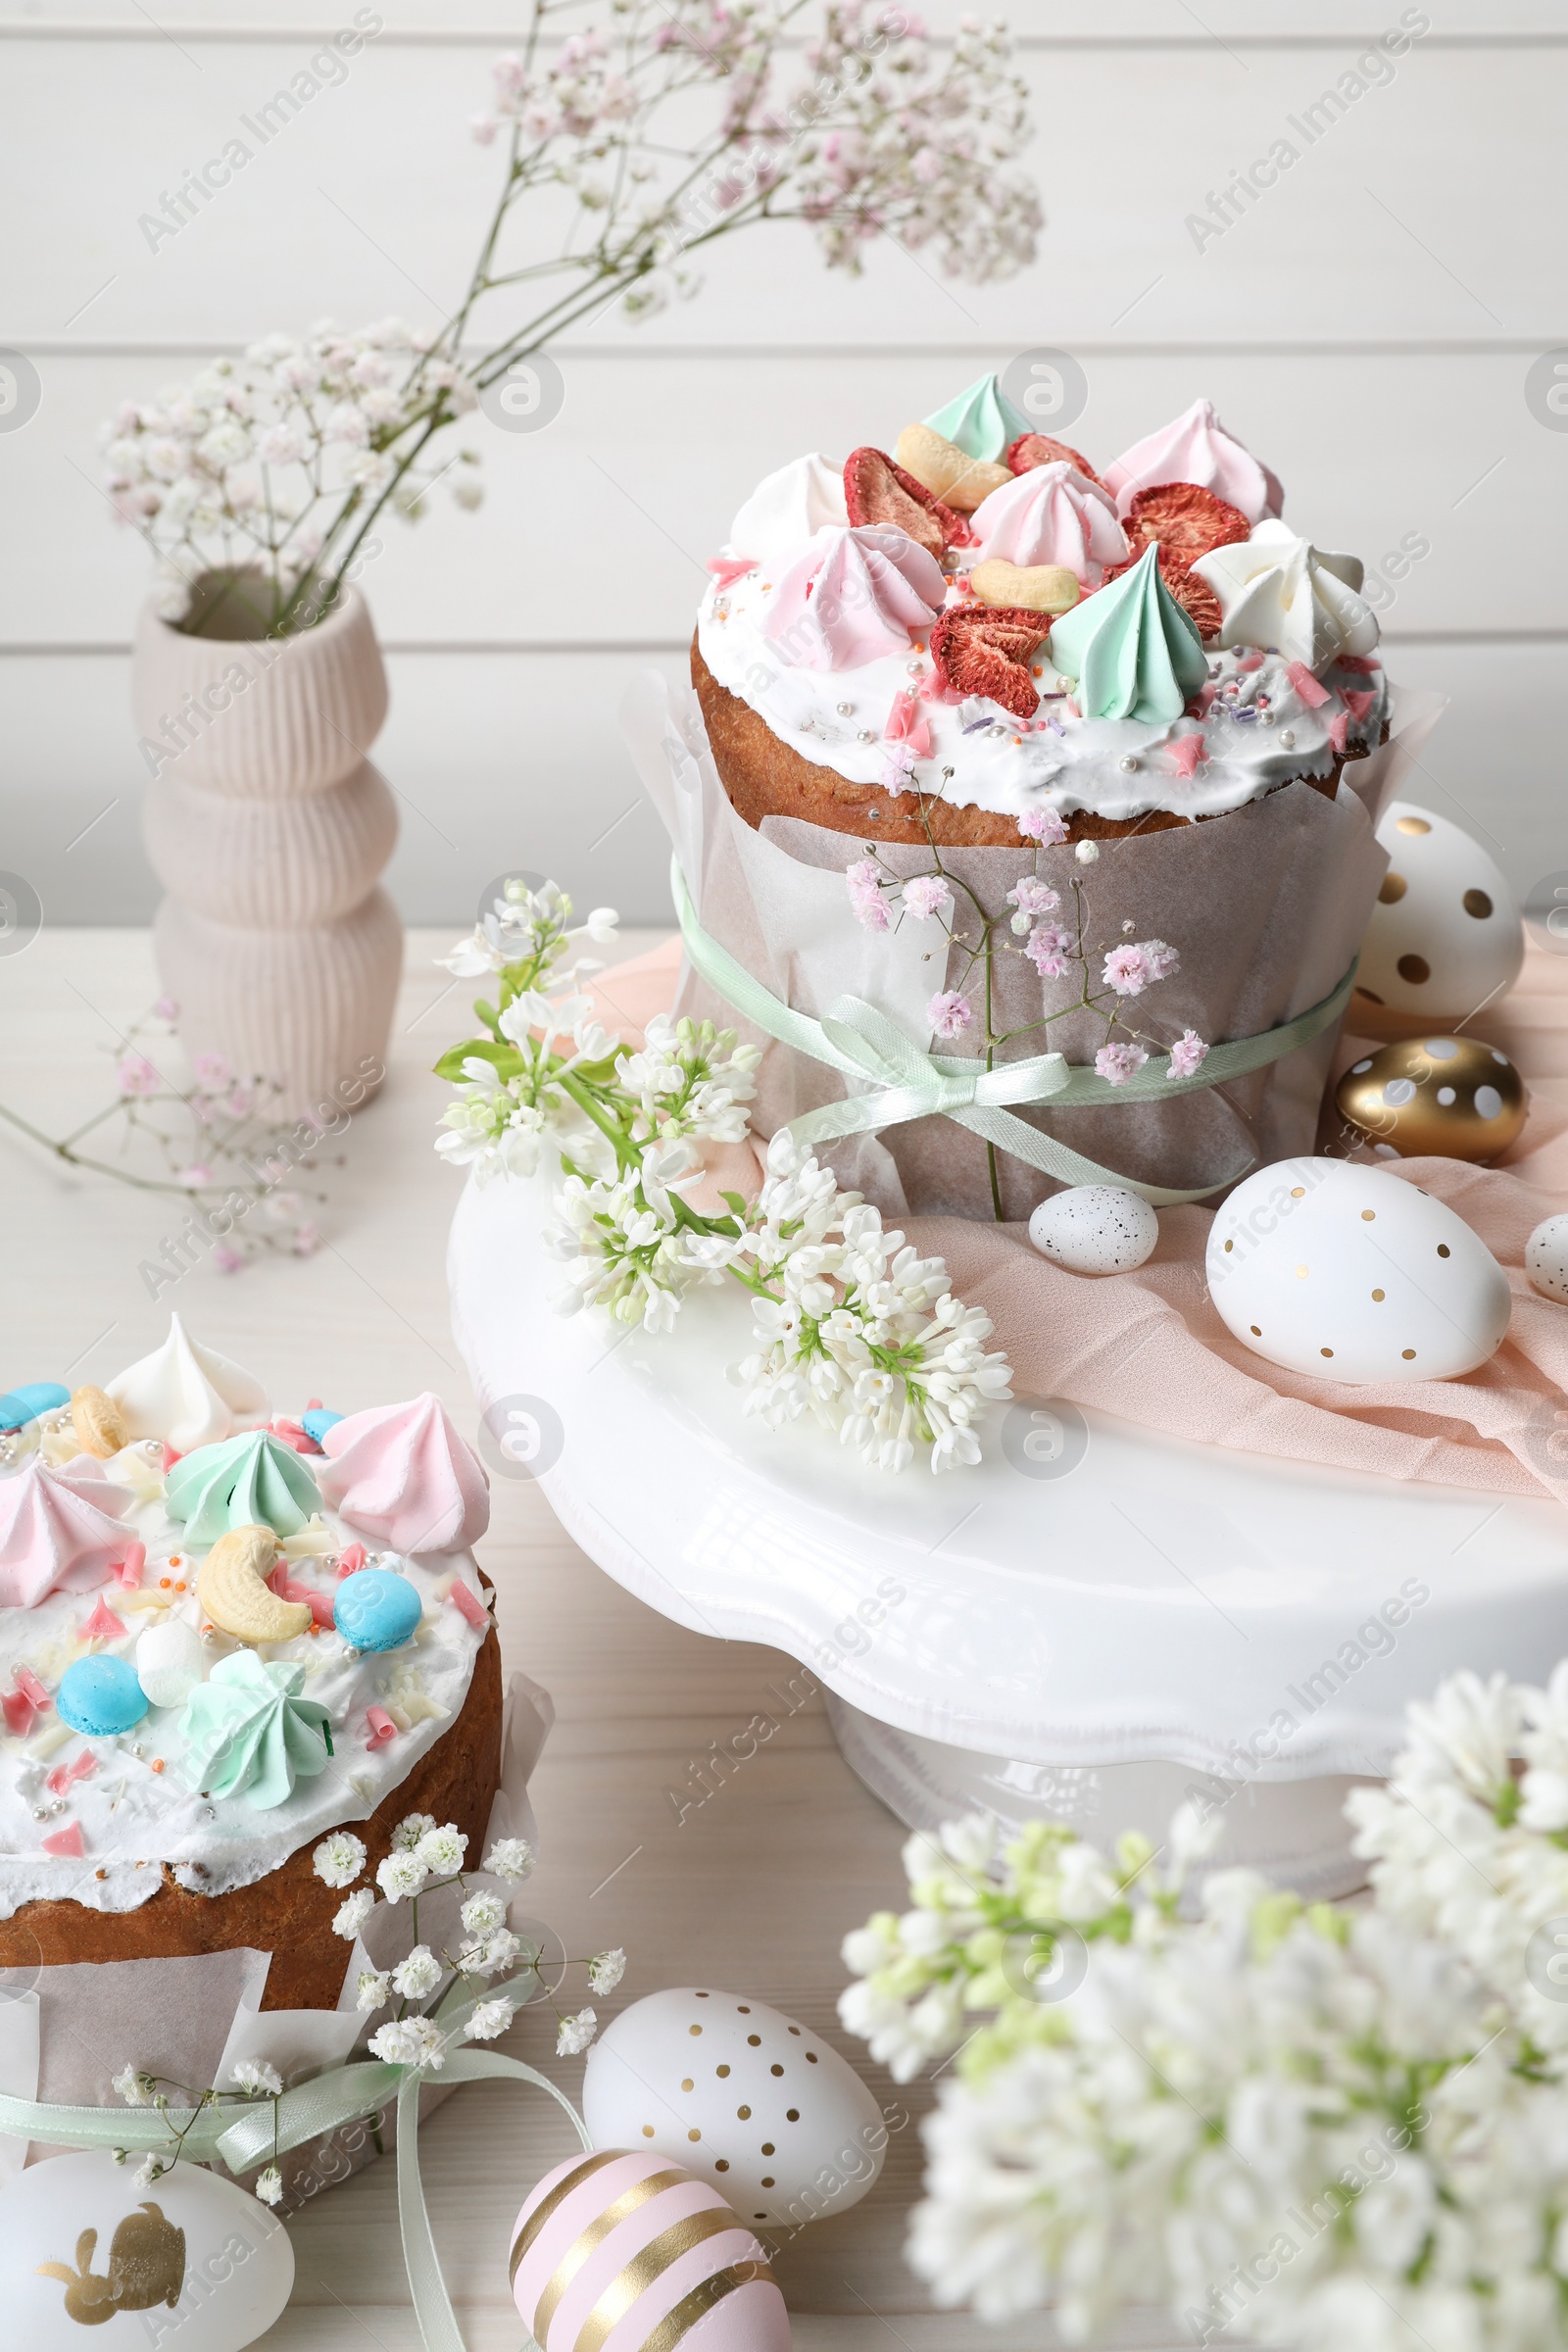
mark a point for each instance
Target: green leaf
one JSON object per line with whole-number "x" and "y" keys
{"x": 736, "y": 1201}
{"x": 485, "y": 1013}
{"x": 506, "y": 1060}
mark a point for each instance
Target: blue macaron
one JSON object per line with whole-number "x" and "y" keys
{"x": 100, "y": 1695}
{"x": 376, "y": 1609}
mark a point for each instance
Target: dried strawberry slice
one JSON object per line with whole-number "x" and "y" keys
{"x": 1187, "y": 520}
{"x": 875, "y": 490}
{"x": 985, "y": 649}
{"x": 1038, "y": 449}
{"x": 1194, "y": 596}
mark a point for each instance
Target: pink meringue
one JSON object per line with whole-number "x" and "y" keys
{"x": 852, "y": 596}
{"x": 60, "y": 1531}
{"x": 1052, "y": 514}
{"x": 401, "y": 1473}
{"x": 1196, "y": 448}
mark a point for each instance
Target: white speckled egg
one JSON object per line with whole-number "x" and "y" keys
{"x": 761, "y": 2107}
{"x": 169, "y": 1662}
{"x": 1445, "y": 935}
{"x": 631, "y": 2248}
{"x": 1354, "y": 1275}
{"x": 191, "y": 2260}
{"x": 1095, "y": 1229}
{"x": 1546, "y": 1257}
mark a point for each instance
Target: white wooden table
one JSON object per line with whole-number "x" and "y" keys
{"x": 753, "y": 1888}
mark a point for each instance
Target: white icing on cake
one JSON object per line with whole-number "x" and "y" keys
{"x": 132, "y": 1808}
{"x": 1053, "y": 760}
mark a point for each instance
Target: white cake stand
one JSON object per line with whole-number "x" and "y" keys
{"x": 1093, "y": 1625}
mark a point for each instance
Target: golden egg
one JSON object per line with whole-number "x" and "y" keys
{"x": 1454, "y": 1096}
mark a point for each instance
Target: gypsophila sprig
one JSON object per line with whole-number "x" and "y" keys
{"x": 652, "y": 129}
{"x": 1287, "y": 2124}
{"x": 850, "y": 1327}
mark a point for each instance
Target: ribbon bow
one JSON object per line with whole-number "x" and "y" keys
{"x": 863, "y": 1045}
{"x": 345, "y": 2094}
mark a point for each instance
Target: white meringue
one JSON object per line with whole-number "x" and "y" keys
{"x": 789, "y": 507}
{"x": 1277, "y": 590}
{"x": 187, "y": 1394}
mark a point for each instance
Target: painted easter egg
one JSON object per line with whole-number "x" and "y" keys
{"x": 19, "y": 1406}
{"x": 633, "y": 2244}
{"x": 169, "y": 1662}
{"x": 1446, "y": 935}
{"x": 376, "y": 1609}
{"x": 1095, "y": 1229}
{"x": 1354, "y": 1275}
{"x": 189, "y": 2260}
{"x": 1546, "y": 1257}
{"x": 760, "y": 2106}
{"x": 100, "y": 1695}
{"x": 1451, "y": 1095}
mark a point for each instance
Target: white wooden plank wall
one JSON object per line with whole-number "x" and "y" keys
{"x": 1366, "y": 327}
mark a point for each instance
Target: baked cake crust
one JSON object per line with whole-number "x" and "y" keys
{"x": 764, "y": 776}
{"x": 289, "y": 1912}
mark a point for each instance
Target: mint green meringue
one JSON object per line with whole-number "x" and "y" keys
{"x": 1132, "y": 648}
{"x": 253, "y": 1480}
{"x": 248, "y": 1733}
{"x": 982, "y": 421}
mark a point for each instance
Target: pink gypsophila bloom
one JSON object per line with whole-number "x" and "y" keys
{"x": 1047, "y": 950}
{"x": 925, "y": 895}
{"x": 1127, "y": 971}
{"x": 1187, "y": 1054}
{"x": 1034, "y": 896}
{"x": 948, "y": 1013}
{"x": 1161, "y": 959}
{"x": 863, "y": 881}
{"x": 1043, "y": 825}
{"x": 137, "y": 1076}
{"x": 1118, "y": 1062}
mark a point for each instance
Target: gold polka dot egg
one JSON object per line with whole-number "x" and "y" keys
{"x": 741, "y": 2094}
{"x": 1445, "y": 935}
{"x": 1352, "y": 1274}
{"x": 1453, "y": 1096}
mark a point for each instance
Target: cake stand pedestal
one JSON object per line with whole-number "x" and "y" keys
{"x": 1095, "y": 1624}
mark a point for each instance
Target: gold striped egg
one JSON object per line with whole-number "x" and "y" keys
{"x": 629, "y": 2243}
{"x": 1456, "y": 1096}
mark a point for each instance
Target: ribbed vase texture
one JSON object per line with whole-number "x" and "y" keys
{"x": 268, "y": 828}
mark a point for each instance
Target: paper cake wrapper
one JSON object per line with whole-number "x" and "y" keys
{"x": 1266, "y": 906}
{"x": 65, "y": 2031}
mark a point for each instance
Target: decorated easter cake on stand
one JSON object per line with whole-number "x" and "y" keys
{"x": 225, "y": 1634}
{"x": 1029, "y": 812}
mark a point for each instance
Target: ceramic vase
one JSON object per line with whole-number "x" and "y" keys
{"x": 267, "y": 827}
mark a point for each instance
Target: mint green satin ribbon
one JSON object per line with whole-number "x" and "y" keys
{"x": 346, "y": 2094}
{"x": 854, "y": 1038}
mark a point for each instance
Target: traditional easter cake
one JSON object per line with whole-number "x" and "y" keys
{"x": 222, "y": 1635}
{"x": 979, "y": 628}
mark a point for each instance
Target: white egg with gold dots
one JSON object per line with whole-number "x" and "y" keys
{"x": 1352, "y": 1274}
{"x": 190, "y": 2259}
{"x": 1446, "y": 935}
{"x": 742, "y": 2095}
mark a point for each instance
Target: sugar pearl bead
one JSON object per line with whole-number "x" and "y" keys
{"x": 1286, "y": 739}
{"x": 845, "y": 710}
{"x": 866, "y": 735}
{"x": 1128, "y": 765}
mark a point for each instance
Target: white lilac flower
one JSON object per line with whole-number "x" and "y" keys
{"x": 270, "y": 2185}
{"x": 373, "y": 1991}
{"x": 510, "y": 1858}
{"x": 574, "y": 2033}
{"x": 487, "y": 2020}
{"x": 442, "y": 1850}
{"x": 255, "y": 2077}
{"x": 416, "y": 1977}
{"x": 411, "y": 2042}
{"x": 352, "y": 1915}
{"x": 484, "y": 1913}
{"x": 399, "y": 1875}
{"x": 606, "y": 1970}
{"x": 620, "y": 1248}
{"x": 339, "y": 1859}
